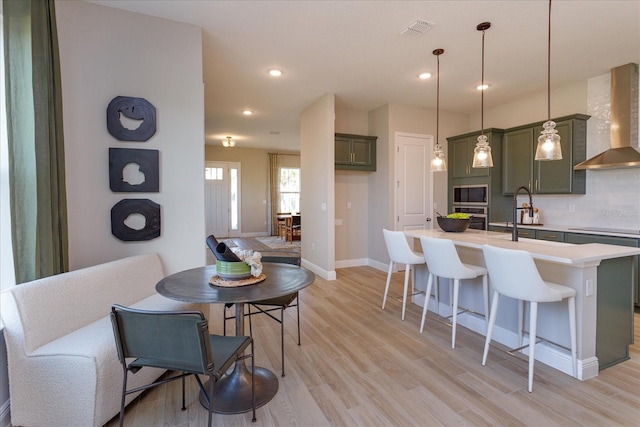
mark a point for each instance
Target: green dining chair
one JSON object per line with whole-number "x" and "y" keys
{"x": 176, "y": 341}
{"x": 279, "y": 304}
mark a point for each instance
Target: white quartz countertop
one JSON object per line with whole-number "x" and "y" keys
{"x": 569, "y": 229}
{"x": 558, "y": 252}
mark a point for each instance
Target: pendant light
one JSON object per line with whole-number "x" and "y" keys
{"x": 438, "y": 161}
{"x": 549, "y": 141}
{"x": 228, "y": 142}
{"x": 482, "y": 153}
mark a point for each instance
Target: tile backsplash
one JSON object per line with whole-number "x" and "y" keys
{"x": 612, "y": 199}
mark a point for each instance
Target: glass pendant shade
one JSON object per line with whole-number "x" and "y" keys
{"x": 438, "y": 160}
{"x": 549, "y": 143}
{"x": 482, "y": 154}
{"x": 228, "y": 142}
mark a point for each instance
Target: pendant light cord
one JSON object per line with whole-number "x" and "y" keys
{"x": 438, "y": 103}
{"x": 482, "y": 90}
{"x": 549, "y": 67}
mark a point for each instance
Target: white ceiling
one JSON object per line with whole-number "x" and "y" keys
{"x": 354, "y": 49}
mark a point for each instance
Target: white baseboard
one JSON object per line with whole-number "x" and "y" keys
{"x": 325, "y": 274}
{"x": 346, "y": 263}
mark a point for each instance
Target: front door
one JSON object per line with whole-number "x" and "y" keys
{"x": 222, "y": 199}
{"x": 413, "y": 185}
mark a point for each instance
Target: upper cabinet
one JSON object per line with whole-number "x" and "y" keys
{"x": 355, "y": 152}
{"x": 461, "y": 154}
{"x": 545, "y": 177}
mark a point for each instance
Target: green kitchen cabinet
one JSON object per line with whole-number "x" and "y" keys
{"x": 461, "y": 154}
{"x": 617, "y": 279}
{"x": 355, "y": 152}
{"x": 519, "y": 166}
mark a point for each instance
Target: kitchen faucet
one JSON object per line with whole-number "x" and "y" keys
{"x": 514, "y": 232}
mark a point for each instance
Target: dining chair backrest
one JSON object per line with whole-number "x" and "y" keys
{"x": 398, "y": 247}
{"x": 513, "y": 273}
{"x": 443, "y": 260}
{"x": 173, "y": 340}
{"x": 283, "y": 257}
{"x": 212, "y": 242}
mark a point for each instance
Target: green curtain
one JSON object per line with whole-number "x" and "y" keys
{"x": 274, "y": 190}
{"x": 35, "y": 137}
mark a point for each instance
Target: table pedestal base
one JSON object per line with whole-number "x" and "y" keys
{"x": 232, "y": 394}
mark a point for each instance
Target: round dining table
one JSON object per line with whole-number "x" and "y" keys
{"x": 232, "y": 393}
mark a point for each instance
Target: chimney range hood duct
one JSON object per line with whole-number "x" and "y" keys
{"x": 624, "y": 123}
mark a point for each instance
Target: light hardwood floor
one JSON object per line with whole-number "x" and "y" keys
{"x": 361, "y": 366}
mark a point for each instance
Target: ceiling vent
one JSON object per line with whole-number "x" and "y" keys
{"x": 417, "y": 28}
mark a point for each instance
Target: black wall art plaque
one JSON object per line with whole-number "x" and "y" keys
{"x": 135, "y": 109}
{"x": 148, "y": 163}
{"x": 145, "y": 207}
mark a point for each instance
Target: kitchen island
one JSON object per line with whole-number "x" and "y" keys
{"x": 565, "y": 263}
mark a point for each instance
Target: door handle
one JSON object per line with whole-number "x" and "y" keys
{"x": 428, "y": 219}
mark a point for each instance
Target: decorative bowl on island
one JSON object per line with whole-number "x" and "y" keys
{"x": 455, "y": 223}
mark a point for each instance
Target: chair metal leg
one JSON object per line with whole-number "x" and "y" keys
{"x": 212, "y": 383}
{"x": 253, "y": 383}
{"x": 184, "y": 407}
{"x": 282, "y": 339}
{"x": 386, "y": 288}
{"x": 298, "y": 311}
{"x": 426, "y": 300}
{"x": 492, "y": 321}
{"x": 124, "y": 393}
{"x": 456, "y": 292}
{"x": 407, "y": 272}
{"x": 533, "y": 323}
{"x": 485, "y": 293}
{"x": 520, "y": 323}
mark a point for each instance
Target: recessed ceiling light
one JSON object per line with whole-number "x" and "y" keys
{"x": 482, "y": 87}
{"x": 275, "y": 72}
{"x": 247, "y": 112}
{"x": 424, "y": 76}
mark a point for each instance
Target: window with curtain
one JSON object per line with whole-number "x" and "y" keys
{"x": 289, "y": 189}
{"x": 32, "y": 177}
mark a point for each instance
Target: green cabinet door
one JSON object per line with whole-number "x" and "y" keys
{"x": 342, "y": 151}
{"x": 461, "y": 158}
{"x": 517, "y": 158}
{"x": 555, "y": 176}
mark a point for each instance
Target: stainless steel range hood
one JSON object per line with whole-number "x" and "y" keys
{"x": 624, "y": 123}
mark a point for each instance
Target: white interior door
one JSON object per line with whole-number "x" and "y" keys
{"x": 413, "y": 183}
{"x": 222, "y": 199}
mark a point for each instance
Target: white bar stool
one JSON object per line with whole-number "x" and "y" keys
{"x": 514, "y": 274}
{"x": 400, "y": 253}
{"x": 443, "y": 261}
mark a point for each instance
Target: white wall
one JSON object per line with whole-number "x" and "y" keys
{"x": 318, "y": 186}
{"x": 106, "y": 52}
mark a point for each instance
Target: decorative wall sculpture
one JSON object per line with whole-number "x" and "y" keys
{"x": 126, "y": 207}
{"x": 148, "y": 162}
{"x": 133, "y": 109}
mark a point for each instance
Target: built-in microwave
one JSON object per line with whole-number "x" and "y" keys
{"x": 471, "y": 194}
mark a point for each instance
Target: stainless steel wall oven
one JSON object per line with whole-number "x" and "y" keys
{"x": 478, "y": 215}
